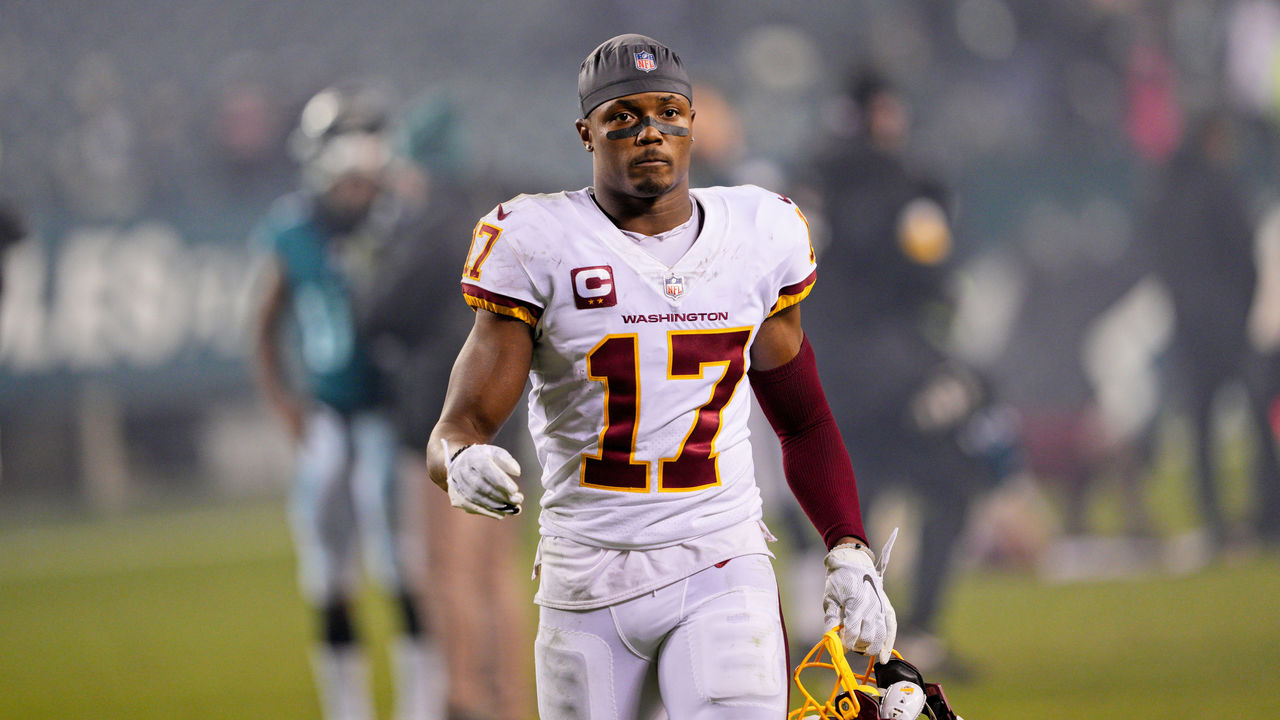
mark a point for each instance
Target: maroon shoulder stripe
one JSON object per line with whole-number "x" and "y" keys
{"x": 799, "y": 287}
{"x": 479, "y": 293}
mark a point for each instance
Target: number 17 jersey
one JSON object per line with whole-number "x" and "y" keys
{"x": 639, "y": 400}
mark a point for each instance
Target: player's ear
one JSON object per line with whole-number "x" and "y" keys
{"x": 584, "y": 134}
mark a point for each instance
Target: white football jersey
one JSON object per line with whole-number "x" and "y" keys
{"x": 639, "y": 399}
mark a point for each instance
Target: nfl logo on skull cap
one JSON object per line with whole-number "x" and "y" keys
{"x": 645, "y": 61}
{"x": 674, "y": 287}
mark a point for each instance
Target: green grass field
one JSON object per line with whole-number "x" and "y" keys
{"x": 193, "y": 613}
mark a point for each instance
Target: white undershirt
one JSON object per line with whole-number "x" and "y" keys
{"x": 671, "y": 245}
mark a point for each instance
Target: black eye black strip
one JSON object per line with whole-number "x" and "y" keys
{"x": 639, "y": 127}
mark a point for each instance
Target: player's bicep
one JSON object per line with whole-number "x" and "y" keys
{"x": 489, "y": 375}
{"x": 778, "y": 340}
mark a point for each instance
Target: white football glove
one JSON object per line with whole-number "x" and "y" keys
{"x": 482, "y": 481}
{"x": 855, "y": 599}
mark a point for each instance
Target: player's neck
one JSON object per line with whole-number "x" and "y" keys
{"x": 646, "y": 215}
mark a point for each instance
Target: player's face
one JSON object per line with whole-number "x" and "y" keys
{"x": 353, "y": 194}
{"x": 640, "y": 143}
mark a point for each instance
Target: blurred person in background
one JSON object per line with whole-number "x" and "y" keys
{"x": 1081, "y": 368}
{"x": 1201, "y": 244}
{"x": 324, "y": 243}
{"x": 883, "y": 313}
{"x": 12, "y": 229}
{"x": 721, "y": 152}
{"x": 96, "y": 159}
{"x": 638, "y": 307}
{"x": 1264, "y": 338}
{"x": 417, "y": 326}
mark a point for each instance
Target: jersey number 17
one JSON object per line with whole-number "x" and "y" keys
{"x": 614, "y": 361}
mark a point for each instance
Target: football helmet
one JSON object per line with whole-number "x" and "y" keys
{"x": 888, "y": 691}
{"x": 343, "y": 128}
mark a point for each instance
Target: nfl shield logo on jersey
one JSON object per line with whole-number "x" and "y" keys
{"x": 645, "y": 61}
{"x": 674, "y": 286}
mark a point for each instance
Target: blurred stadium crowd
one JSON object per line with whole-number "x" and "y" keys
{"x": 1082, "y": 144}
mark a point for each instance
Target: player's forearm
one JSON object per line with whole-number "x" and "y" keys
{"x": 268, "y": 366}
{"x": 279, "y": 398}
{"x": 475, "y": 406}
{"x": 269, "y": 373}
{"x": 447, "y": 439}
{"x": 814, "y": 459}
{"x": 820, "y": 475}
{"x": 487, "y": 381}
{"x": 288, "y": 407}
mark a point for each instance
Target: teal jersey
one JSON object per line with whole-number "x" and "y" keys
{"x": 335, "y": 365}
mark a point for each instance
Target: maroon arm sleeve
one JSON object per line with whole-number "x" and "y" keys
{"x": 814, "y": 459}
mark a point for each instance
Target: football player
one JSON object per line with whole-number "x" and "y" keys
{"x": 322, "y": 241}
{"x": 642, "y": 310}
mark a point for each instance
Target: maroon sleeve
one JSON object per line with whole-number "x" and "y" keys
{"x": 814, "y": 459}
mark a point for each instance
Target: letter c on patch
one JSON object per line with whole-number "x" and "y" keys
{"x": 593, "y": 287}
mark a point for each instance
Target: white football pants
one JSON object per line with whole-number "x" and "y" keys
{"x": 708, "y": 647}
{"x": 343, "y": 505}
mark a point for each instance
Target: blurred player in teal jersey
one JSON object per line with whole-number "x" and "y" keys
{"x": 325, "y": 242}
